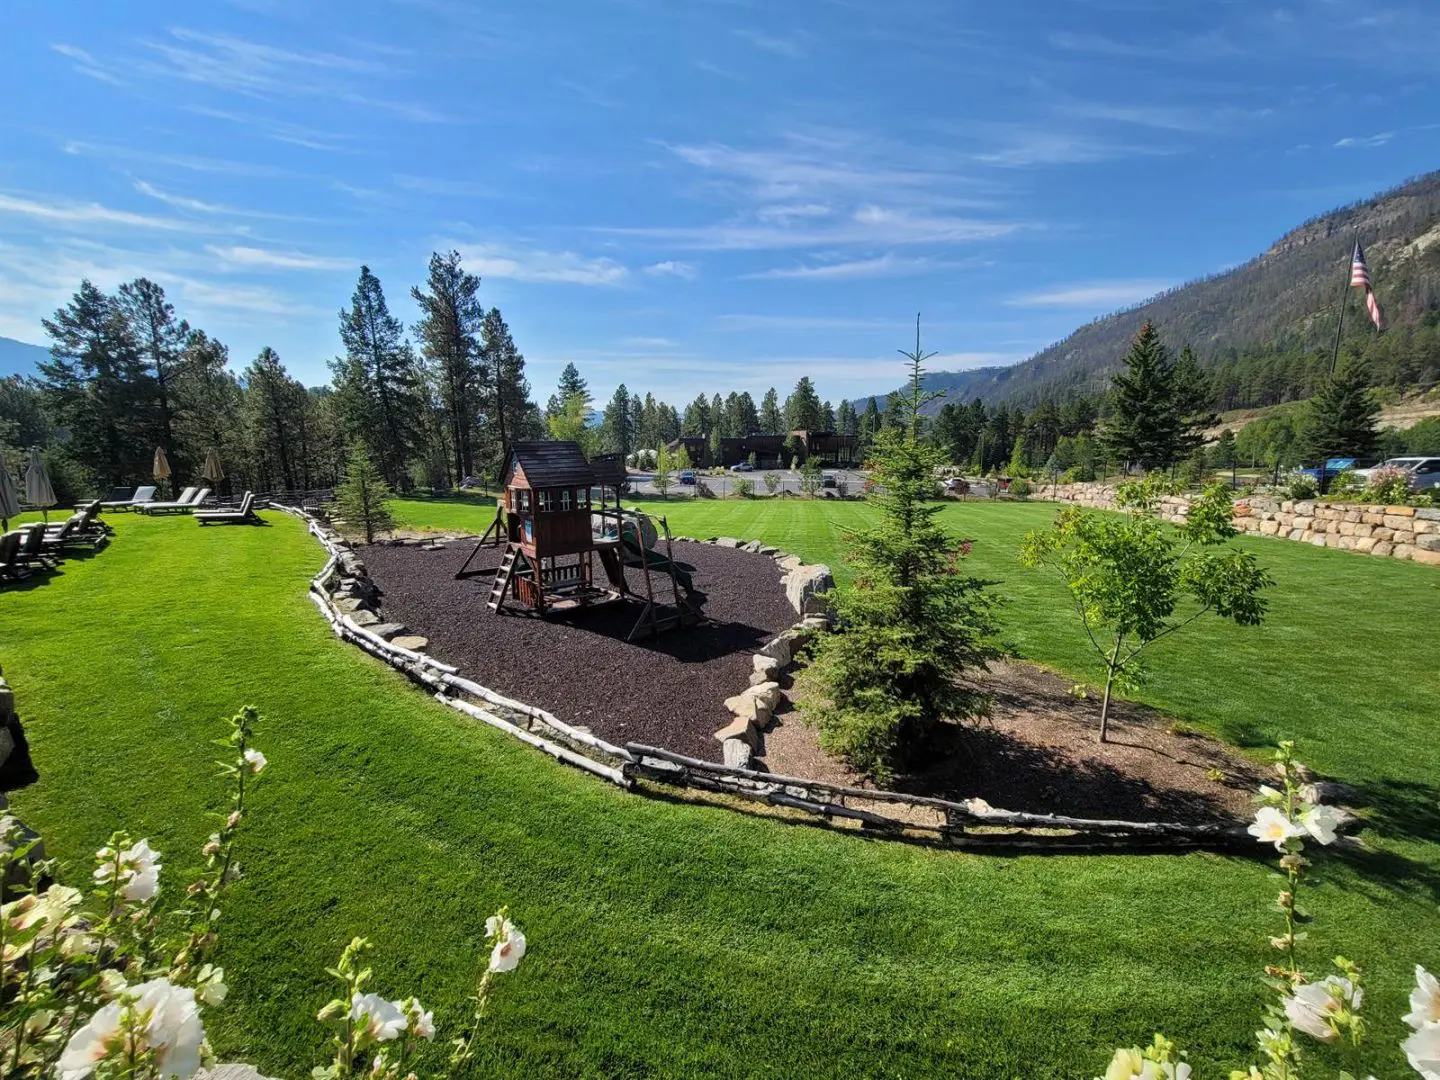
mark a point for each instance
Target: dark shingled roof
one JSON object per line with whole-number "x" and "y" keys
{"x": 552, "y": 464}
{"x": 609, "y": 469}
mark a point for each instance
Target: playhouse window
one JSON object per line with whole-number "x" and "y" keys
{"x": 544, "y": 498}
{"x": 522, "y": 501}
{"x": 582, "y": 498}
{"x": 564, "y": 498}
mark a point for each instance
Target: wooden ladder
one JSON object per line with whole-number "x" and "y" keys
{"x": 502, "y": 578}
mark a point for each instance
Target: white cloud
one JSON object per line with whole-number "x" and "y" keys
{"x": 800, "y": 322}
{"x": 1365, "y": 141}
{"x": 85, "y": 214}
{"x": 882, "y": 266}
{"x": 672, "y": 268}
{"x": 792, "y": 46}
{"x": 1095, "y": 294}
{"x": 545, "y": 267}
{"x": 1021, "y": 147}
{"x": 87, "y": 65}
{"x": 252, "y": 258}
{"x": 872, "y": 226}
{"x": 648, "y": 342}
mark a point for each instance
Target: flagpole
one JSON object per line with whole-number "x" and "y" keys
{"x": 1344, "y": 303}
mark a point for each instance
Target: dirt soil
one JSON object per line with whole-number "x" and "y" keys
{"x": 668, "y": 692}
{"x": 1038, "y": 752}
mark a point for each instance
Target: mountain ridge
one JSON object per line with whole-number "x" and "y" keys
{"x": 1284, "y": 297}
{"x": 20, "y": 357}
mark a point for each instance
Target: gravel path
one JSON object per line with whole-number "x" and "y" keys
{"x": 668, "y": 692}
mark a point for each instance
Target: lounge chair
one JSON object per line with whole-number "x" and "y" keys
{"x": 141, "y": 497}
{"x": 77, "y": 531}
{"x": 189, "y": 500}
{"x": 245, "y": 515}
{"x": 10, "y": 565}
{"x": 31, "y": 551}
{"x": 87, "y": 521}
{"x": 118, "y": 496}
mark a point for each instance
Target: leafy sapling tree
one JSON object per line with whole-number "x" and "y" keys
{"x": 912, "y": 624}
{"x": 363, "y": 498}
{"x": 1135, "y": 580}
{"x": 664, "y": 471}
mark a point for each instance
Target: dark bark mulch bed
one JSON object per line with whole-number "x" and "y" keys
{"x": 1038, "y": 752}
{"x": 667, "y": 691}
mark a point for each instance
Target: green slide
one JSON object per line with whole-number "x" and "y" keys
{"x": 630, "y": 556}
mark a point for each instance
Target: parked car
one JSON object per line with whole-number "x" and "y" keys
{"x": 827, "y": 480}
{"x": 688, "y": 476}
{"x": 1323, "y": 474}
{"x": 744, "y": 466}
{"x": 1424, "y": 470}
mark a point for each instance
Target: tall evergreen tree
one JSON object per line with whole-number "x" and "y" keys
{"x": 697, "y": 418}
{"x": 828, "y": 420}
{"x": 275, "y": 405}
{"x": 846, "y": 422}
{"x": 618, "y": 430}
{"x": 160, "y": 341}
{"x": 508, "y": 413}
{"x": 1194, "y": 405}
{"x": 96, "y": 385}
{"x": 745, "y": 420}
{"x": 1144, "y": 423}
{"x": 1340, "y": 417}
{"x": 377, "y": 379}
{"x": 772, "y": 421}
{"x": 449, "y": 334}
{"x": 803, "y": 411}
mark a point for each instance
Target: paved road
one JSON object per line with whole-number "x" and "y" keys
{"x": 641, "y": 484}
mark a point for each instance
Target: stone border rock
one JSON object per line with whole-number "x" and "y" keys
{"x": 1397, "y": 532}
{"x": 754, "y": 709}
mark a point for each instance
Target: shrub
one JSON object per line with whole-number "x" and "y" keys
{"x": 744, "y": 487}
{"x": 1301, "y": 487}
{"x": 1388, "y": 485}
{"x": 772, "y": 482}
{"x": 1020, "y": 487}
{"x": 1346, "y": 485}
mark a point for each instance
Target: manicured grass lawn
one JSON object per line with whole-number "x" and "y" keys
{"x": 677, "y": 940}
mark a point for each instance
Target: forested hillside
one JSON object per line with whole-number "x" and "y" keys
{"x": 1264, "y": 331}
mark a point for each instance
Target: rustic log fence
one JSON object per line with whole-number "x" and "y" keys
{"x": 971, "y": 823}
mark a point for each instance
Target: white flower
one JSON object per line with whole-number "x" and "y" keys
{"x": 1321, "y": 822}
{"x": 1270, "y": 795}
{"x": 256, "y": 760}
{"x": 422, "y": 1023}
{"x": 381, "y": 1020}
{"x": 1423, "y": 1051}
{"x": 171, "y": 1027}
{"x": 1313, "y": 1005}
{"x": 1125, "y": 1065}
{"x": 509, "y": 943}
{"x": 1424, "y": 1000}
{"x": 1272, "y": 826}
{"x": 139, "y": 877}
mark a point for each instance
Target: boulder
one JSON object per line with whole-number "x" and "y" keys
{"x": 737, "y": 753}
{"x": 752, "y": 546}
{"x": 349, "y": 605}
{"x": 767, "y": 667}
{"x": 779, "y": 649}
{"x": 766, "y": 693}
{"x": 803, "y": 587}
{"x": 230, "y": 1071}
{"x": 17, "y": 874}
{"x": 1329, "y": 791}
{"x": 741, "y": 729}
{"x": 388, "y": 630}
{"x": 789, "y": 563}
{"x": 766, "y": 549}
{"x": 726, "y": 542}
{"x": 413, "y": 642}
{"x": 365, "y": 618}
{"x": 749, "y": 709}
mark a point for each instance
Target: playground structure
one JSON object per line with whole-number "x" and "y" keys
{"x": 554, "y": 529}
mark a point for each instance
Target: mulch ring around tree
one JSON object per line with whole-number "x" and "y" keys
{"x": 667, "y": 691}
{"x": 1038, "y": 752}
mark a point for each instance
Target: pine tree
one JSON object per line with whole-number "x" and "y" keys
{"x": 909, "y": 627}
{"x": 449, "y": 335}
{"x": 618, "y": 426}
{"x": 1143, "y": 424}
{"x": 846, "y": 422}
{"x": 1340, "y": 417}
{"x": 377, "y": 379}
{"x": 95, "y": 384}
{"x": 828, "y": 421}
{"x": 1194, "y": 405}
{"x": 275, "y": 404}
{"x": 570, "y": 385}
{"x": 363, "y": 498}
{"x": 1225, "y": 454}
{"x": 697, "y": 418}
{"x": 507, "y": 412}
{"x": 803, "y": 411}
{"x": 772, "y": 421}
{"x": 160, "y": 340}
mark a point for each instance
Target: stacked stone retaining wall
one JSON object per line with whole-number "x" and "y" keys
{"x": 1396, "y": 532}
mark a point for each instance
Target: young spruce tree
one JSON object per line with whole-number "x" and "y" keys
{"x": 363, "y": 498}
{"x": 1144, "y": 425}
{"x": 911, "y": 625}
{"x": 1340, "y": 417}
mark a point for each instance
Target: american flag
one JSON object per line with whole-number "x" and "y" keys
{"x": 1360, "y": 278}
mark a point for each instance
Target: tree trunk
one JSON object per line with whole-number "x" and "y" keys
{"x": 1109, "y": 682}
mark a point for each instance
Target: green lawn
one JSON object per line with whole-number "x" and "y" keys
{"x": 677, "y": 940}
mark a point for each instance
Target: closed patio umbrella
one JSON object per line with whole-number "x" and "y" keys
{"x": 9, "y": 499}
{"x": 212, "y": 470}
{"x": 38, "y": 490}
{"x": 161, "y": 470}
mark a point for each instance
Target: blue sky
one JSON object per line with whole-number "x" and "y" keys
{"x": 691, "y": 196}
